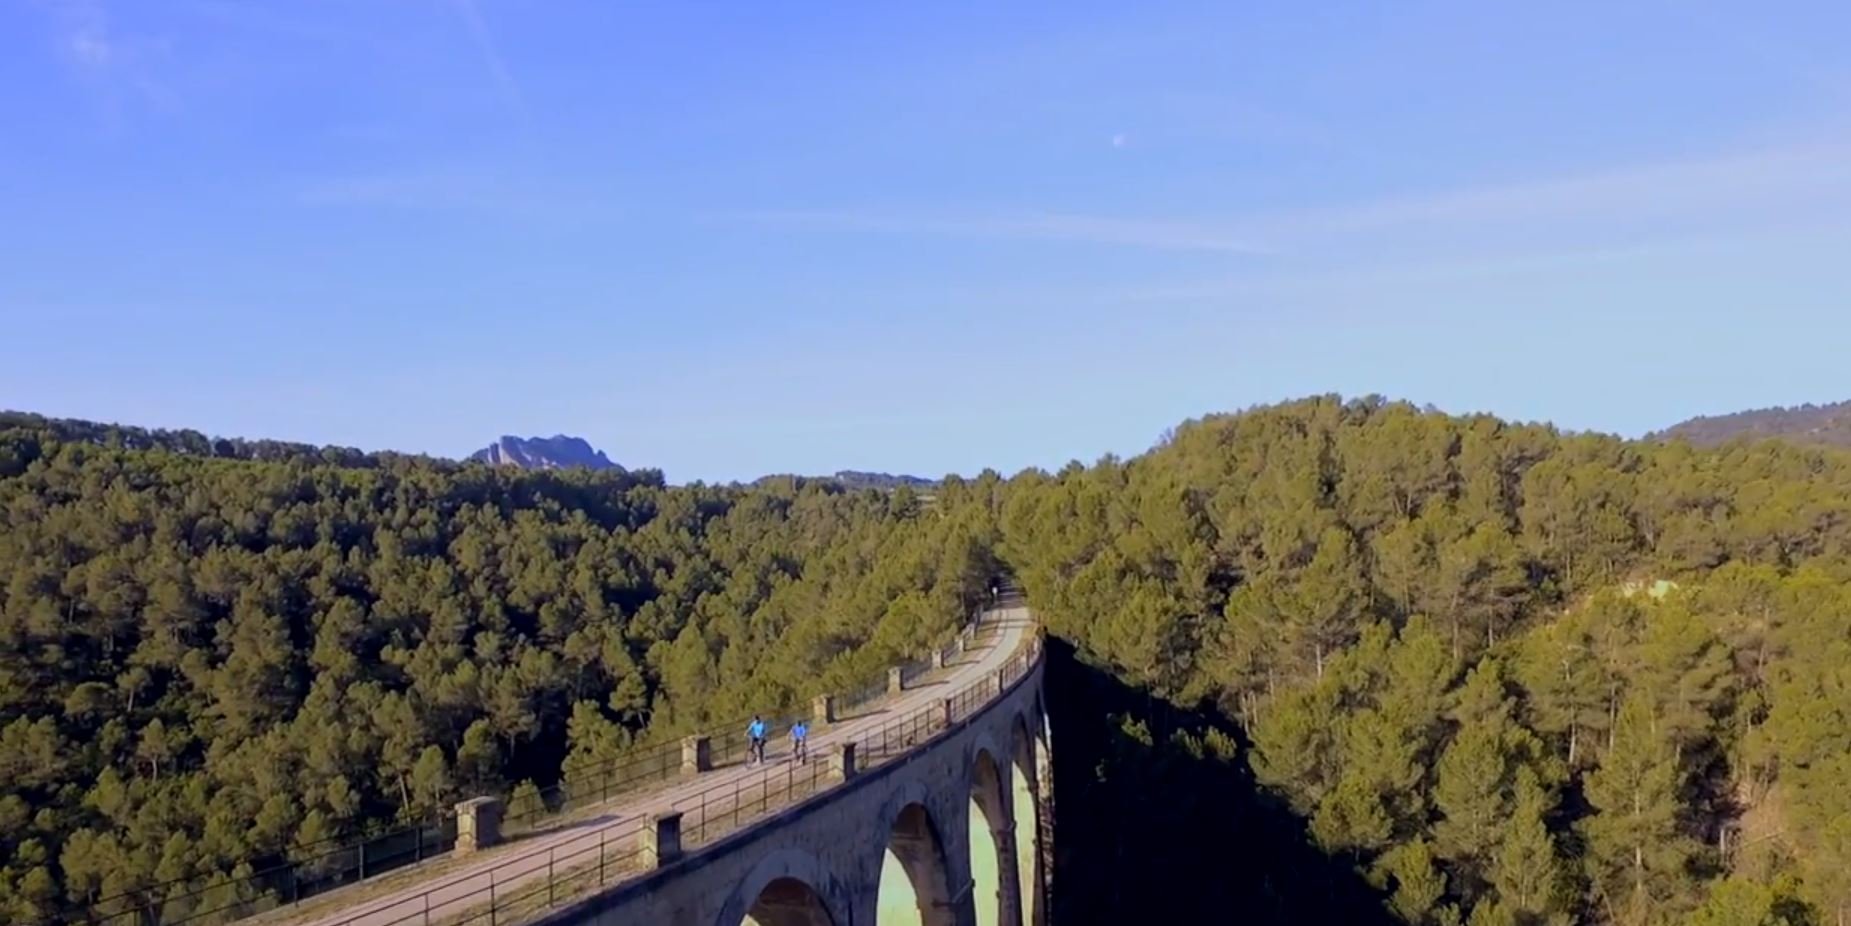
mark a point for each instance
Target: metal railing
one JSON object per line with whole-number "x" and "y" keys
{"x": 315, "y": 868}
{"x": 307, "y": 870}
{"x": 529, "y": 883}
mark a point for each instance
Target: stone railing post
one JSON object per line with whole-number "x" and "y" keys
{"x": 478, "y": 824}
{"x": 842, "y": 762}
{"x": 938, "y": 659}
{"x": 823, "y": 709}
{"x": 896, "y": 680}
{"x": 662, "y": 839}
{"x": 696, "y": 755}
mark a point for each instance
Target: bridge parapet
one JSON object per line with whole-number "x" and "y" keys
{"x": 963, "y": 764}
{"x": 578, "y": 872}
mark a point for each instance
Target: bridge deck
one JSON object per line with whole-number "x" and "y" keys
{"x": 516, "y": 881}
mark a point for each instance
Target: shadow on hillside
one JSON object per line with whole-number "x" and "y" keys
{"x": 1149, "y": 832}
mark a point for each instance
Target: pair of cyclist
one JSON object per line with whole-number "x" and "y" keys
{"x": 757, "y": 732}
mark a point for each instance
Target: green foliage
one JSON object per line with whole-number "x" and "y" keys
{"x": 1740, "y": 902}
{"x": 1526, "y": 874}
{"x": 525, "y": 801}
{"x": 1436, "y": 633}
{"x": 1416, "y": 884}
{"x": 1636, "y": 851}
{"x": 212, "y": 652}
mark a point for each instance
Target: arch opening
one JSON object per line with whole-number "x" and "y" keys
{"x": 915, "y": 889}
{"x": 988, "y": 823}
{"x": 788, "y": 902}
{"x": 1024, "y": 794}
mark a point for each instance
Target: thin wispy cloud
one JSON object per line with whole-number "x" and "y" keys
{"x": 425, "y": 189}
{"x": 485, "y": 44}
{"x": 460, "y": 189}
{"x": 91, "y": 49}
{"x": 1792, "y": 175}
{"x": 83, "y": 32}
{"x": 1380, "y": 275}
{"x": 1044, "y": 226}
{"x": 1198, "y": 117}
{"x": 118, "y": 66}
{"x": 1734, "y": 190}
{"x": 276, "y": 21}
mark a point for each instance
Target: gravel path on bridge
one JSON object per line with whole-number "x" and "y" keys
{"x": 614, "y": 831}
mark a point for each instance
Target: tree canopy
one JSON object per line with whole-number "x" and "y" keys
{"x": 1505, "y": 674}
{"x": 1512, "y": 675}
{"x": 209, "y": 656}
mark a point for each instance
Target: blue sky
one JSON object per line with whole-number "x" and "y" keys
{"x": 730, "y": 239}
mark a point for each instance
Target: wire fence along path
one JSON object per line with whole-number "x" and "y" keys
{"x": 521, "y": 880}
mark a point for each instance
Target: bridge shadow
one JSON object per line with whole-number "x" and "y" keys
{"x": 1153, "y": 828}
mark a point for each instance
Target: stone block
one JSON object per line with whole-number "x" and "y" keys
{"x": 478, "y": 824}
{"x": 696, "y": 755}
{"x": 661, "y": 839}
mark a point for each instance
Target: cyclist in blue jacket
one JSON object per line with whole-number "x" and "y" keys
{"x": 755, "y": 740}
{"x": 800, "y": 741}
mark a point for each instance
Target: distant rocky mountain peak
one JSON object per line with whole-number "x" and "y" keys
{"x": 556, "y": 452}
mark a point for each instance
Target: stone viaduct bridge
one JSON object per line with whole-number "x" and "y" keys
{"x": 931, "y": 806}
{"x": 944, "y": 835}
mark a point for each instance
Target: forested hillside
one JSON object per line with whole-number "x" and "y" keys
{"x": 1505, "y": 676}
{"x": 1438, "y": 637}
{"x": 206, "y": 660}
{"x": 1827, "y": 425}
{"x": 191, "y": 443}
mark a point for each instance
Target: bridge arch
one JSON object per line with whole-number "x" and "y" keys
{"x": 992, "y": 848}
{"x": 1025, "y": 809}
{"x": 915, "y": 880}
{"x": 786, "y": 888}
{"x": 788, "y": 902}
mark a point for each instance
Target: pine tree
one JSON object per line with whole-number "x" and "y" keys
{"x": 430, "y": 779}
{"x": 1416, "y": 884}
{"x": 1295, "y": 746}
{"x": 1636, "y": 851}
{"x": 1526, "y": 871}
{"x": 1470, "y": 794}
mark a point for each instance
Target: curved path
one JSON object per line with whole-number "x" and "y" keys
{"x": 615, "y": 834}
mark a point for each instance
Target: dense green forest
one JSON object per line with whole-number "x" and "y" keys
{"x": 212, "y": 652}
{"x": 1478, "y": 672}
{"x": 1447, "y": 645}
